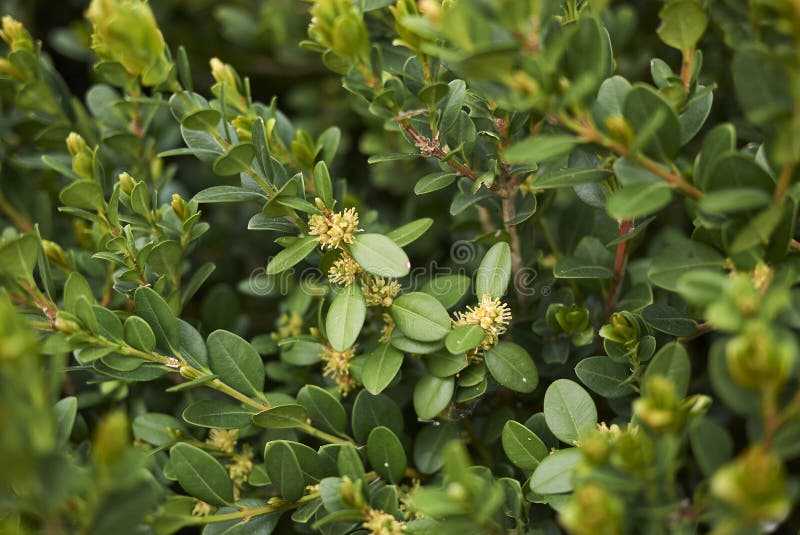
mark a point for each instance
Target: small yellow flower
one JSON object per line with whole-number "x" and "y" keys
{"x": 337, "y": 367}
{"x": 492, "y": 315}
{"x": 241, "y": 465}
{"x": 333, "y": 229}
{"x": 223, "y": 439}
{"x": 387, "y": 329}
{"x": 379, "y": 523}
{"x": 202, "y": 508}
{"x": 344, "y": 271}
{"x": 380, "y": 291}
{"x": 290, "y": 325}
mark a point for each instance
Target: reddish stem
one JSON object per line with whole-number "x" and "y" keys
{"x": 620, "y": 263}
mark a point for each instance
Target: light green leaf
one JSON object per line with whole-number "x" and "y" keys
{"x": 554, "y": 473}
{"x": 217, "y": 414}
{"x": 494, "y": 272}
{"x": 541, "y": 147}
{"x": 420, "y": 317}
{"x": 345, "y": 318}
{"x": 569, "y": 410}
{"x": 282, "y": 417}
{"x": 236, "y": 362}
{"x": 463, "y": 338}
{"x": 379, "y": 255}
{"x": 293, "y": 254}
{"x": 380, "y": 368}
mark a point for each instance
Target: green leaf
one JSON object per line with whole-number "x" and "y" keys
{"x": 494, "y": 272}
{"x": 217, "y": 194}
{"x": 380, "y": 368}
{"x": 200, "y": 474}
{"x": 86, "y": 194}
{"x": 410, "y": 232}
{"x": 669, "y": 320}
{"x": 345, "y": 318}
{"x": 372, "y": 411}
{"x": 325, "y": 411}
{"x": 205, "y": 119}
{"x": 379, "y": 255}
{"x": 237, "y": 160}
{"x": 157, "y": 429}
{"x": 673, "y": 261}
{"x": 18, "y": 257}
{"x": 282, "y": 417}
{"x": 733, "y": 200}
{"x": 463, "y": 338}
{"x": 386, "y": 454}
{"x": 153, "y": 309}
{"x": 569, "y": 410}
{"x": 322, "y": 183}
{"x": 604, "y": 376}
{"x": 682, "y": 24}
{"x": 432, "y": 395}
{"x": 711, "y": 444}
{"x": 236, "y": 362}
{"x": 447, "y": 289}
{"x": 763, "y": 85}
{"x": 638, "y": 200}
{"x": 554, "y": 473}
{"x": 443, "y": 364}
{"x": 65, "y": 411}
{"x": 541, "y": 147}
{"x": 349, "y": 463}
{"x": 434, "y": 182}
{"x": 570, "y": 177}
{"x": 430, "y": 443}
{"x": 522, "y": 446}
{"x": 737, "y": 170}
{"x": 75, "y": 288}
{"x": 512, "y": 367}
{"x": 284, "y": 470}
{"x": 420, "y": 317}
{"x": 293, "y": 254}
{"x": 657, "y": 127}
{"x": 671, "y": 362}
{"x": 217, "y": 414}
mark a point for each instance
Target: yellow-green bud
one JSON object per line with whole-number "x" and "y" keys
{"x": 179, "y": 207}
{"x": 619, "y": 129}
{"x": 755, "y": 485}
{"x": 54, "y": 252}
{"x": 593, "y": 510}
{"x": 82, "y": 156}
{"x": 126, "y": 183}
{"x": 66, "y": 326}
{"x": 15, "y": 34}
{"x": 758, "y": 358}
{"x": 658, "y": 408}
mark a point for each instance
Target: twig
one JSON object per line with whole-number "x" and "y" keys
{"x": 620, "y": 263}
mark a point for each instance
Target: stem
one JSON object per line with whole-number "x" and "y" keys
{"x": 784, "y": 180}
{"x": 431, "y": 149}
{"x": 254, "y": 511}
{"x": 509, "y": 213}
{"x": 687, "y": 66}
{"x": 620, "y": 263}
{"x": 19, "y": 220}
{"x": 314, "y": 432}
{"x": 589, "y": 133}
{"x": 219, "y": 386}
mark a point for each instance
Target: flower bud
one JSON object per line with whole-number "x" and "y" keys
{"x": 572, "y": 319}
{"x": 126, "y": 183}
{"x": 54, "y": 252}
{"x": 125, "y": 31}
{"x": 82, "y": 156}
{"x": 15, "y": 34}
{"x": 622, "y": 328}
{"x": 179, "y": 207}
{"x": 66, "y": 326}
{"x": 619, "y": 129}
{"x": 658, "y": 408}
{"x": 754, "y": 485}
{"x": 758, "y": 358}
{"x": 593, "y": 510}
{"x": 9, "y": 70}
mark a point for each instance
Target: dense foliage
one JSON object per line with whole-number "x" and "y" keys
{"x": 562, "y": 296}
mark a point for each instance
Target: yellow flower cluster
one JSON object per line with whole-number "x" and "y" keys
{"x": 344, "y": 271}
{"x": 223, "y": 439}
{"x": 387, "y": 329}
{"x": 380, "y": 291}
{"x": 333, "y": 229}
{"x": 241, "y": 466}
{"x": 492, "y": 315}
{"x": 289, "y": 325}
{"x": 202, "y": 508}
{"x": 337, "y": 367}
{"x": 379, "y": 523}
